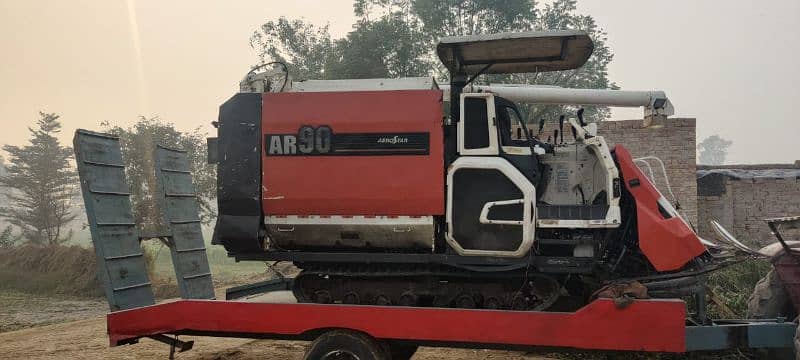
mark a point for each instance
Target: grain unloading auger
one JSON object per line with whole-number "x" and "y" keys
{"x": 453, "y": 229}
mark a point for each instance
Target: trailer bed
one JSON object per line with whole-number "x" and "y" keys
{"x": 651, "y": 325}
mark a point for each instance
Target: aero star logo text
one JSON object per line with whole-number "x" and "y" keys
{"x": 393, "y": 140}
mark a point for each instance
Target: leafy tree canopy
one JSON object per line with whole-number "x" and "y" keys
{"x": 138, "y": 144}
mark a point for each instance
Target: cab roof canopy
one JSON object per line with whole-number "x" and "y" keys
{"x": 521, "y": 52}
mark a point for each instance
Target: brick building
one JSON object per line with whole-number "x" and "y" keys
{"x": 740, "y": 197}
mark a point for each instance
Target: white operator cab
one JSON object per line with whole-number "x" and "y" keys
{"x": 503, "y": 191}
{"x": 574, "y": 185}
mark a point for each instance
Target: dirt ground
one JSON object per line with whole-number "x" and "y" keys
{"x": 38, "y": 327}
{"x": 19, "y": 310}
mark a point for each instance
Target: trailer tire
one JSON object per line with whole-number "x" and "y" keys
{"x": 769, "y": 299}
{"x": 344, "y": 344}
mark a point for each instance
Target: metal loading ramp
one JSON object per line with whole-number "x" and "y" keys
{"x": 180, "y": 211}
{"x": 116, "y": 238}
{"x": 120, "y": 261}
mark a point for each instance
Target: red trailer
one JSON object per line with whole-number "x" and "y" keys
{"x": 393, "y": 332}
{"x": 656, "y": 325}
{"x": 348, "y": 331}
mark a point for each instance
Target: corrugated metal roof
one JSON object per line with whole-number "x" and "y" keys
{"x": 751, "y": 173}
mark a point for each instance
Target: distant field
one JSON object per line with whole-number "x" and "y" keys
{"x": 222, "y": 267}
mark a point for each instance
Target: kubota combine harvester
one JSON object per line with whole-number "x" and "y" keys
{"x": 415, "y": 197}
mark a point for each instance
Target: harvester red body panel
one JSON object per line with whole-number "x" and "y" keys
{"x": 668, "y": 243}
{"x": 354, "y": 176}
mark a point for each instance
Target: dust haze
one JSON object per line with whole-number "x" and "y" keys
{"x": 731, "y": 66}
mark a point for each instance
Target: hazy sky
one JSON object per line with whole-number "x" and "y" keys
{"x": 730, "y": 64}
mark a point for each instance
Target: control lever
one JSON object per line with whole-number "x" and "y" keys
{"x": 561, "y": 128}
{"x": 541, "y": 125}
{"x": 580, "y": 117}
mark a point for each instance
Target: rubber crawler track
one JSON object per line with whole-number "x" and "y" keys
{"x": 438, "y": 286}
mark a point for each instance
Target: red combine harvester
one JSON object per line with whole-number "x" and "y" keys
{"x": 422, "y": 214}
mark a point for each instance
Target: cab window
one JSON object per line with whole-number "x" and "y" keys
{"x": 512, "y": 131}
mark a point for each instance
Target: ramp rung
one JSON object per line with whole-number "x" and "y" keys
{"x": 103, "y": 136}
{"x": 184, "y": 221}
{"x": 124, "y": 256}
{"x": 97, "y": 163}
{"x": 189, "y": 277}
{"x": 190, "y": 250}
{"x": 117, "y": 224}
{"x": 181, "y": 195}
{"x": 134, "y": 286}
{"x": 176, "y": 171}
{"x": 105, "y": 192}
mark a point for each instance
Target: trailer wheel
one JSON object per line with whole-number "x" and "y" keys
{"x": 345, "y": 345}
{"x": 769, "y": 299}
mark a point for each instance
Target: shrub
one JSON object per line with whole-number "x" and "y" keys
{"x": 729, "y": 288}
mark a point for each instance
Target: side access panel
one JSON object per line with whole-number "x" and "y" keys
{"x": 239, "y": 175}
{"x": 490, "y": 208}
{"x": 120, "y": 261}
{"x": 180, "y": 211}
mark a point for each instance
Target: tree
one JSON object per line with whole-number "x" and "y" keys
{"x": 7, "y": 238}
{"x": 713, "y": 150}
{"x": 397, "y": 38}
{"x": 387, "y": 47}
{"x": 40, "y": 184}
{"x": 306, "y": 47}
{"x": 138, "y": 143}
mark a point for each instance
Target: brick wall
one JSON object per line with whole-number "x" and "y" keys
{"x": 672, "y": 140}
{"x": 741, "y": 203}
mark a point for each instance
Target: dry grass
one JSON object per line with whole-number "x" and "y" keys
{"x": 62, "y": 270}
